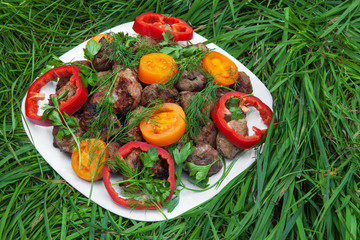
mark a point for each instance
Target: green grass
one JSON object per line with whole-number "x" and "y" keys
{"x": 304, "y": 185}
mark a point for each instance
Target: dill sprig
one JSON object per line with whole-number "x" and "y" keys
{"x": 128, "y": 50}
{"x": 198, "y": 110}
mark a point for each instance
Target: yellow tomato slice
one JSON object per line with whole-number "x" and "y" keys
{"x": 156, "y": 67}
{"x": 100, "y": 36}
{"x": 93, "y": 154}
{"x": 220, "y": 67}
{"x": 166, "y": 127}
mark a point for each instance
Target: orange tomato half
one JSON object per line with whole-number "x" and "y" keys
{"x": 156, "y": 67}
{"x": 224, "y": 71}
{"x": 99, "y": 36}
{"x": 93, "y": 154}
{"x": 166, "y": 127}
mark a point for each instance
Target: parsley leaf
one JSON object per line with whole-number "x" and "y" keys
{"x": 91, "y": 49}
{"x": 148, "y": 158}
{"x": 198, "y": 173}
{"x": 88, "y": 76}
{"x": 167, "y": 37}
{"x": 233, "y": 106}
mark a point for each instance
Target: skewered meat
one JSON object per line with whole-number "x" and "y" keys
{"x": 127, "y": 91}
{"x": 153, "y": 92}
{"x": 191, "y": 81}
{"x": 203, "y": 155}
{"x": 224, "y": 146}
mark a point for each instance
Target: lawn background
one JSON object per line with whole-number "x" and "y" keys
{"x": 305, "y": 184}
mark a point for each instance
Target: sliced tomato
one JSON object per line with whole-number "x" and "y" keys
{"x": 165, "y": 127}
{"x": 93, "y": 155}
{"x": 156, "y": 67}
{"x": 224, "y": 71}
{"x": 98, "y": 37}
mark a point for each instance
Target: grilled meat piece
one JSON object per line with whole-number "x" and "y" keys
{"x": 101, "y": 61}
{"x": 203, "y": 46}
{"x": 145, "y": 41}
{"x": 224, "y": 146}
{"x": 90, "y": 112}
{"x": 160, "y": 169}
{"x": 134, "y": 160}
{"x": 65, "y": 85}
{"x": 127, "y": 90}
{"x": 208, "y": 134}
{"x": 67, "y": 143}
{"x": 62, "y": 81}
{"x": 185, "y": 98}
{"x": 191, "y": 81}
{"x": 103, "y": 77}
{"x": 153, "y": 92}
{"x": 203, "y": 155}
{"x": 113, "y": 147}
{"x": 135, "y": 134}
{"x": 243, "y": 83}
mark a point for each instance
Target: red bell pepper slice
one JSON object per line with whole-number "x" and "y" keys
{"x": 230, "y": 133}
{"x": 155, "y": 24}
{"x": 70, "y": 106}
{"x": 129, "y": 202}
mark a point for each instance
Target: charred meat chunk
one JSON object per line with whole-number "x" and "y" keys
{"x": 243, "y": 83}
{"x": 208, "y": 134}
{"x": 88, "y": 118}
{"x": 135, "y": 133}
{"x": 66, "y": 143}
{"x": 224, "y": 146}
{"x": 203, "y": 46}
{"x": 127, "y": 92}
{"x": 191, "y": 81}
{"x": 185, "y": 98}
{"x": 203, "y": 155}
{"x": 113, "y": 148}
{"x": 102, "y": 61}
{"x": 153, "y": 92}
{"x": 65, "y": 85}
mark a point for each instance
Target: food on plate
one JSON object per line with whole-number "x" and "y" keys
{"x": 220, "y": 67}
{"x": 148, "y": 175}
{"x": 166, "y": 126}
{"x": 156, "y": 68}
{"x": 155, "y": 24}
{"x": 88, "y": 162}
{"x": 147, "y": 92}
{"x": 72, "y": 102}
